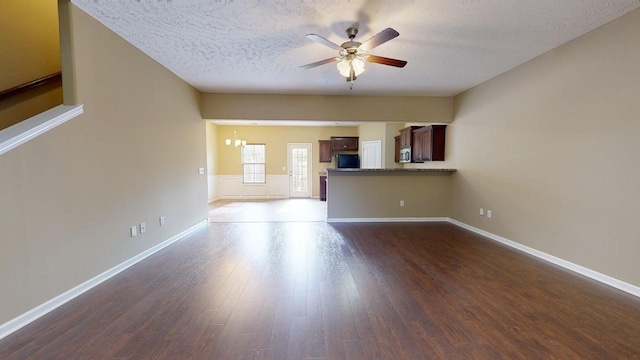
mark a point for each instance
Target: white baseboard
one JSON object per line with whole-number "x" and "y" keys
{"x": 605, "y": 279}
{"x": 42, "y": 309}
{"x": 401, "y": 219}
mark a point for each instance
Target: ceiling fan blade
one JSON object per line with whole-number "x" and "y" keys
{"x": 321, "y": 62}
{"x": 323, "y": 41}
{"x": 385, "y": 61}
{"x": 379, "y": 39}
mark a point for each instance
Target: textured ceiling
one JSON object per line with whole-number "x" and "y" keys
{"x": 256, "y": 46}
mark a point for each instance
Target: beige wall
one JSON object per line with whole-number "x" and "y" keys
{"x": 392, "y": 130}
{"x": 212, "y": 148}
{"x": 29, "y": 50}
{"x": 70, "y": 196}
{"x": 276, "y": 139}
{"x": 552, "y": 147}
{"x": 327, "y": 108}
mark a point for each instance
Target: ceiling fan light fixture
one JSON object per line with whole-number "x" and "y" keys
{"x": 347, "y": 64}
{"x": 352, "y": 54}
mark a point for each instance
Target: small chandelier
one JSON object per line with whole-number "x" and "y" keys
{"x": 236, "y": 142}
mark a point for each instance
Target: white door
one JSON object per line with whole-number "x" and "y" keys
{"x": 299, "y": 161}
{"x": 371, "y": 154}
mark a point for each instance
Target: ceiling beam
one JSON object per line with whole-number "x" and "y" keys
{"x": 327, "y": 108}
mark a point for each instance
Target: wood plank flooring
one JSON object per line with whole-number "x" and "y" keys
{"x": 311, "y": 290}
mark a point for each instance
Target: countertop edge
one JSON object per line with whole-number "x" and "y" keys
{"x": 396, "y": 171}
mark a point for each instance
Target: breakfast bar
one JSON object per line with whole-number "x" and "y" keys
{"x": 400, "y": 194}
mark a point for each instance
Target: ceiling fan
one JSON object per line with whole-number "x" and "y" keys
{"x": 352, "y": 54}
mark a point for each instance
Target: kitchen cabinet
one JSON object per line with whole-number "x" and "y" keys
{"x": 344, "y": 143}
{"x": 323, "y": 187}
{"x": 406, "y": 137}
{"x": 416, "y": 149}
{"x": 325, "y": 151}
{"x": 428, "y": 143}
{"x": 396, "y": 154}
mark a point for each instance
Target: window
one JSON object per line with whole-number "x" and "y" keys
{"x": 253, "y": 168}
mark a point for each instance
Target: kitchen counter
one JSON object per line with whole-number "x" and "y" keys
{"x": 388, "y": 194}
{"x": 389, "y": 171}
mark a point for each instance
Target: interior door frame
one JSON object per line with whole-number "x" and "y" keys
{"x": 309, "y": 147}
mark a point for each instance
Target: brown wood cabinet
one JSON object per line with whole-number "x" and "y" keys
{"x": 344, "y": 143}
{"x": 428, "y": 143}
{"x": 325, "y": 151}
{"x": 323, "y": 188}
{"x": 416, "y": 149}
{"x": 406, "y": 136}
{"x": 396, "y": 154}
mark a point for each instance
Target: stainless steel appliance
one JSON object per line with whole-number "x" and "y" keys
{"x": 405, "y": 155}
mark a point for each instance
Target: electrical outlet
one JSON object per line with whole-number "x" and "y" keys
{"x": 134, "y": 231}
{"x": 143, "y": 228}
{"x": 201, "y": 171}
{"x": 161, "y": 220}
{"x": 401, "y": 202}
{"x": 489, "y": 213}
{"x": 481, "y": 212}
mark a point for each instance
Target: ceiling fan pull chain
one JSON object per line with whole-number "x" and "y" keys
{"x": 353, "y": 75}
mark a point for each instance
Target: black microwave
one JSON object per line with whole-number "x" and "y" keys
{"x": 347, "y": 161}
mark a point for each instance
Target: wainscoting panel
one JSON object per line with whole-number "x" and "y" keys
{"x": 213, "y": 187}
{"x": 278, "y": 185}
{"x": 231, "y": 187}
{"x": 254, "y": 190}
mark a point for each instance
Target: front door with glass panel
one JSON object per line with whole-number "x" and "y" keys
{"x": 299, "y": 161}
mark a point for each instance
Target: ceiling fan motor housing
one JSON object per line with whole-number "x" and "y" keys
{"x": 351, "y": 47}
{"x": 352, "y": 32}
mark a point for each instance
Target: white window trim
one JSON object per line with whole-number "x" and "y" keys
{"x": 242, "y": 164}
{"x": 20, "y": 133}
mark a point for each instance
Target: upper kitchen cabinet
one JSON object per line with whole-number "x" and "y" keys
{"x": 396, "y": 154}
{"x": 344, "y": 143}
{"x": 406, "y": 137}
{"x": 325, "y": 150}
{"x": 428, "y": 143}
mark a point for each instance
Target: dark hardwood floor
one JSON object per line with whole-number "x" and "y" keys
{"x": 311, "y": 290}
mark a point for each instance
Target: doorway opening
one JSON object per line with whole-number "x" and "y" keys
{"x": 299, "y": 163}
